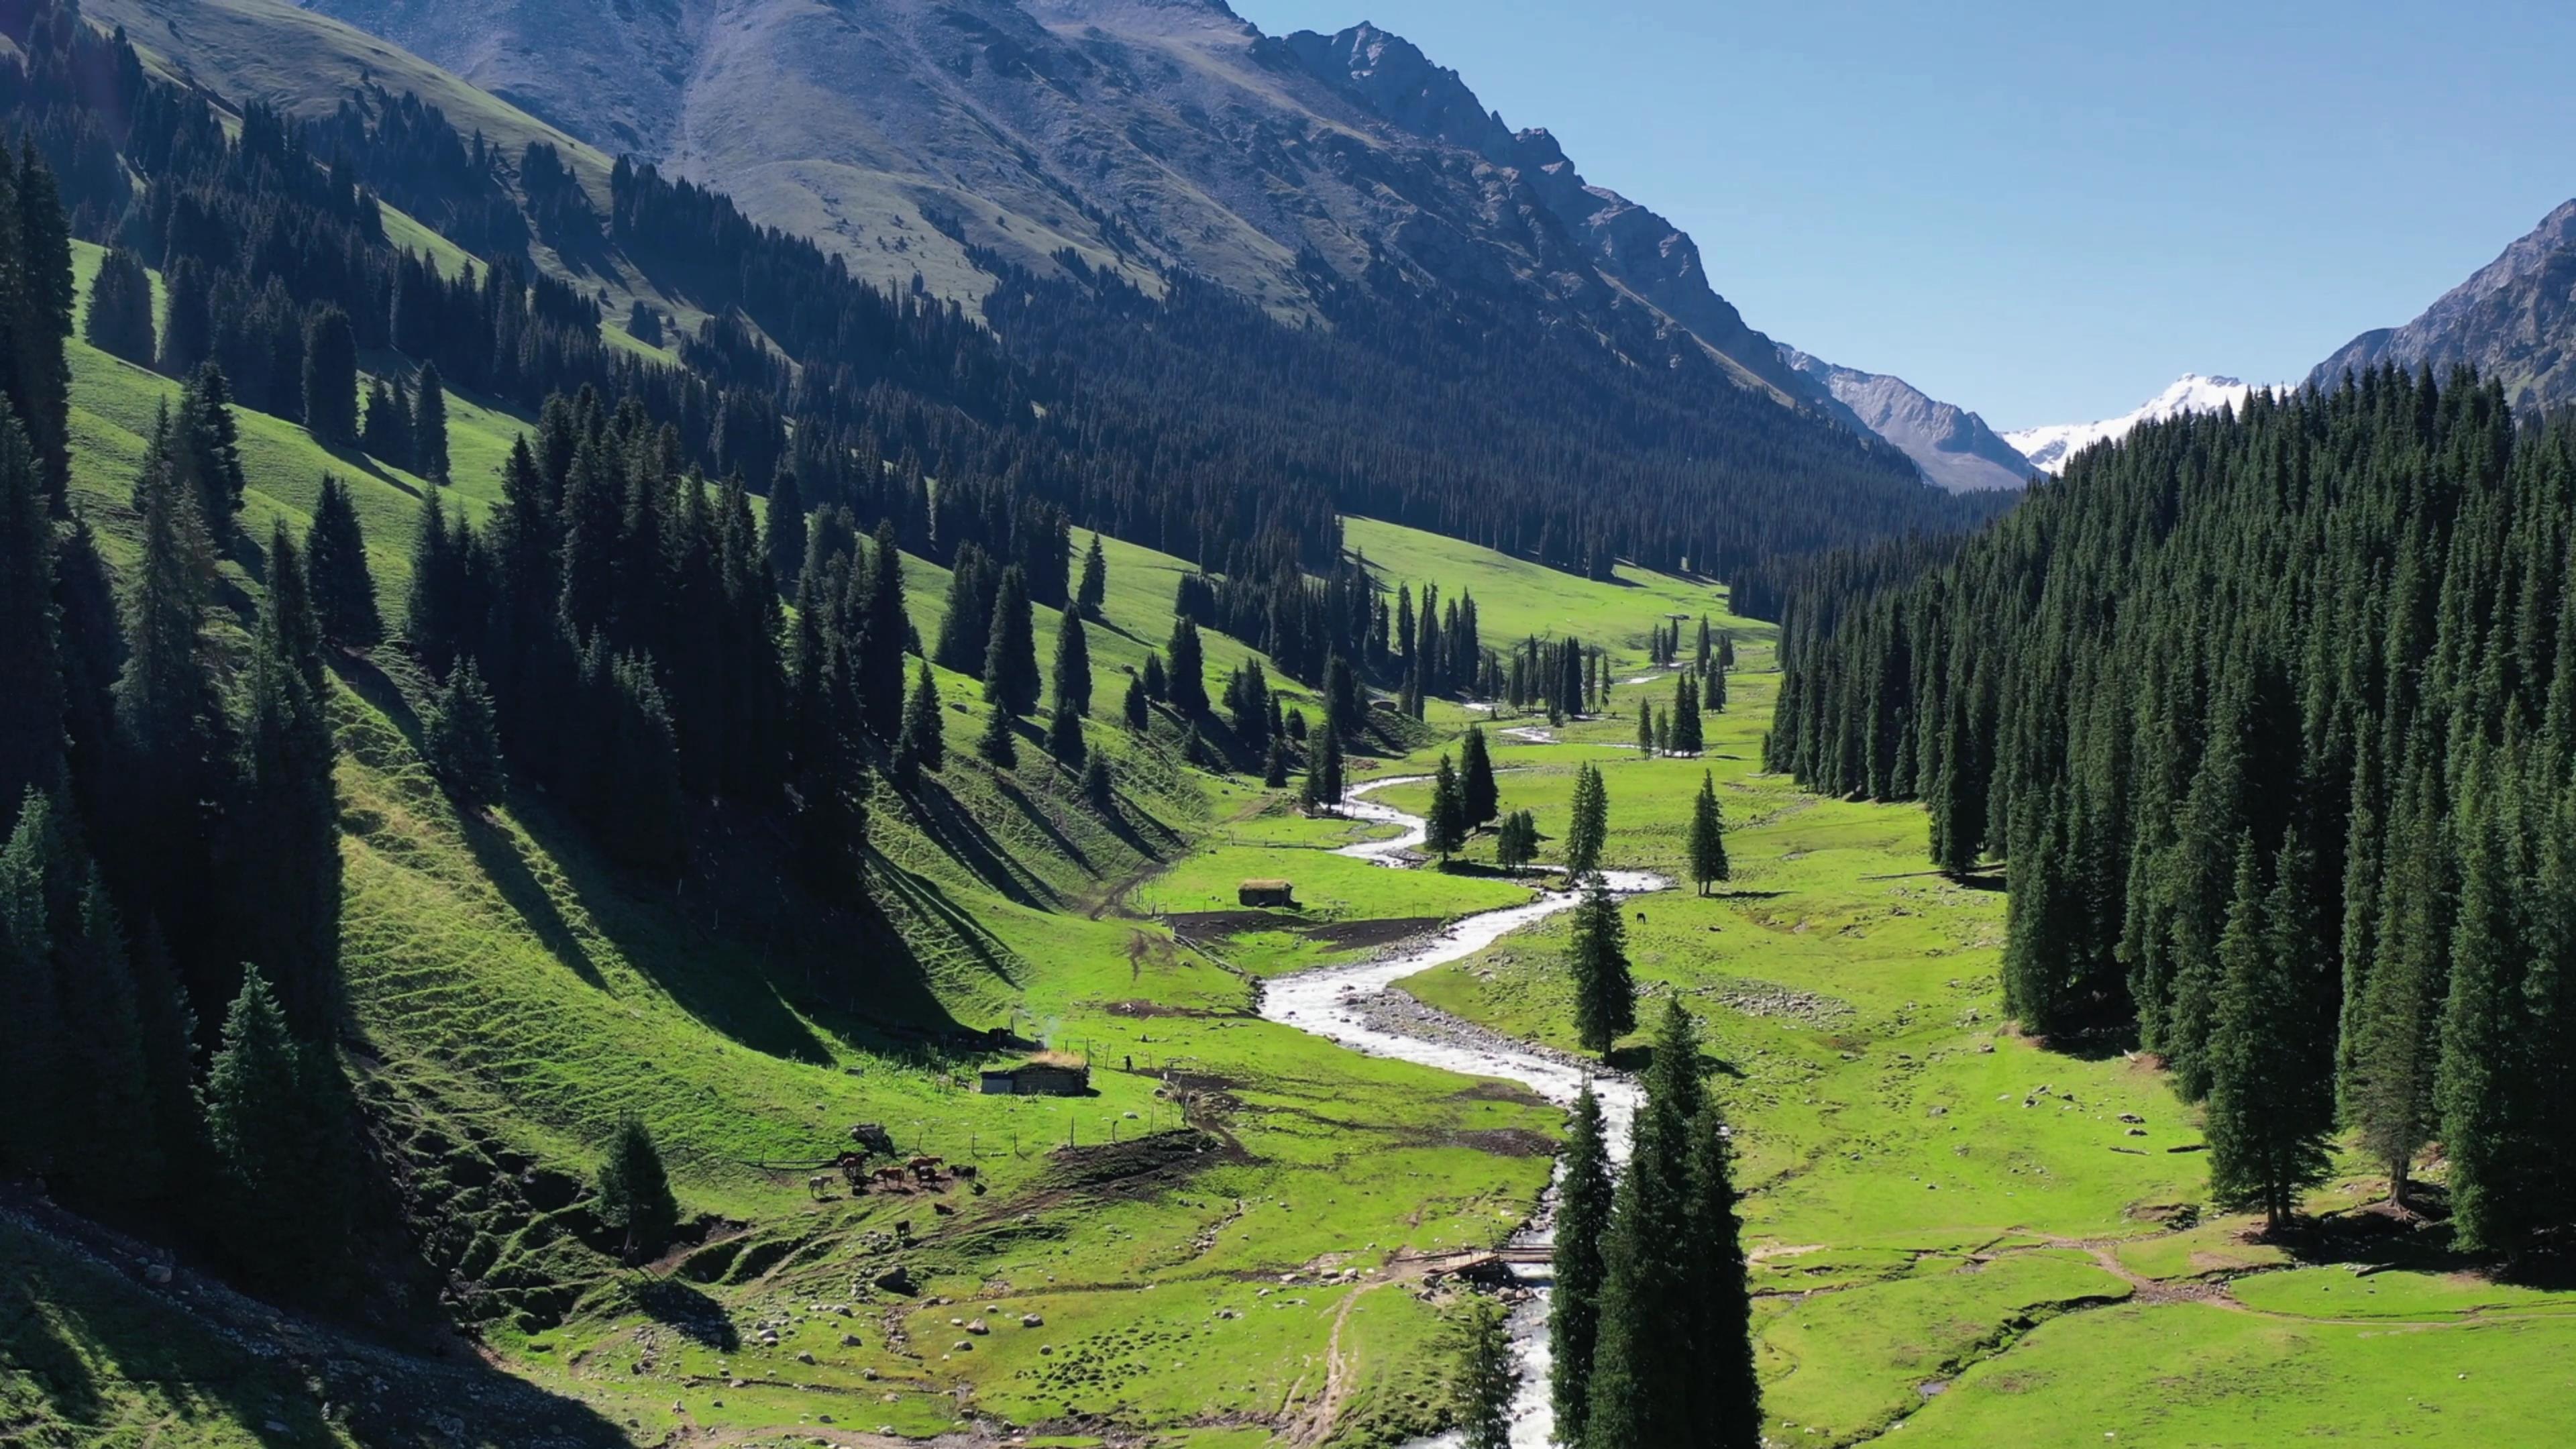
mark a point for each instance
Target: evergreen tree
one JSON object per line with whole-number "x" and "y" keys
{"x": 1072, "y": 668}
{"x": 461, "y": 738}
{"x": 966, "y": 629}
{"x": 331, "y": 379}
{"x": 290, "y": 600}
{"x": 1489, "y": 1379}
{"x": 1645, "y": 727}
{"x": 1274, "y": 765}
{"x": 1098, "y": 787}
{"x": 1707, "y": 836}
{"x": 1685, "y": 716}
{"x": 1713, "y": 691}
{"x": 1647, "y": 1365}
{"x": 188, "y": 337}
{"x": 1064, "y": 738}
{"x": 2269, "y": 1110}
{"x": 1157, "y": 684}
{"x": 1726, "y": 1409}
{"x": 1324, "y": 783}
{"x": 924, "y": 745}
{"x": 111, "y": 1150}
{"x": 634, "y": 1192}
{"x": 1476, "y": 779}
{"x": 270, "y": 1121}
{"x": 205, "y": 449}
{"x": 1134, "y": 708}
{"x": 1011, "y": 658}
{"x": 38, "y": 377}
{"x": 1583, "y": 1202}
{"x": 32, "y": 1070}
{"x": 121, "y": 308}
{"x": 335, "y": 564}
{"x": 1185, "y": 675}
{"x": 429, "y": 425}
{"x": 999, "y": 744}
{"x": 1094, "y": 590}
{"x": 785, "y": 539}
{"x": 384, "y": 428}
{"x": 1516, "y": 843}
{"x": 2484, "y": 1034}
{"x": 32, "y": 698}
{"x": 284, "y": 848}
{"x": 1589, "y": 828}
{"x": 1445, "y": 830}
{"x": 885, "y": 633}
{"x": 1605, "y": 998}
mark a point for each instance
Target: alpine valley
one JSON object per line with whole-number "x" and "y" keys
{"x": 969, "y": 723}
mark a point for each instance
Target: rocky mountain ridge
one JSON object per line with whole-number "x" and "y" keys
{"x": 2514, "y": 320}
{"x": 1953, "y": 446}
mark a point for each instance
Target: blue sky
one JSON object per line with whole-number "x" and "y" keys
{"x": 2045, "y": 212}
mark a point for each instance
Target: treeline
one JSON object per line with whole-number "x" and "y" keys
{"x": 2273, "y": 715}
{"x": 169, "y": 814}
{"x": 1466, "y": 417}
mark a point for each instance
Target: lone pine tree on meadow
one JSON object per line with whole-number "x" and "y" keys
{"x": 1605, "y": 997}
{"x": 1589, "y": 827}
{"x": 1094, "y": 588}
{"x": 634, "y": 1191}
{"x": 335, "y": 565}
{"x": 1185, "y": 673}
{"x": 429, "y": 426}
{"x": 1707, "y": 836}
{"x": 924, "y": 744}
{"x": 1476, "y": 778}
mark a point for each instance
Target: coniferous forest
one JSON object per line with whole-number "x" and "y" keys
{"x": 728, "y": 812}
{"x": 2271, "y": 719}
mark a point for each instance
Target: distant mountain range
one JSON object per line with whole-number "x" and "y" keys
{"x": 2514, "y": 320}
{"x": 929, "y": 140}
{"x": 1954, "y": 447}
{"x": 2049, "y": 447}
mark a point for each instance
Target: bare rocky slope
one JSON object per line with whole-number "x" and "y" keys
{"x": 925, "y": 138}
{"x": 2514, "y": 320}
{"x": 1953, "y": 446}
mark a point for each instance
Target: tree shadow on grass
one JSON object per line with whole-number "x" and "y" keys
{"x": 956, "y": 831}
{"x": 696, "y": 1316}
{"x": 87, "y": 1333}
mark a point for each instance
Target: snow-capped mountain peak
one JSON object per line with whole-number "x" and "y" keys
{"x": 2049, "y": 447}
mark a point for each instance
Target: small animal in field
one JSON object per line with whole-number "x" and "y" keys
{"x": 819, "y": 1186}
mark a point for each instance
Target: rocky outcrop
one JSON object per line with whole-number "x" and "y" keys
{"x": 2514, "y": 320}
{"x": 1954, "y": 447}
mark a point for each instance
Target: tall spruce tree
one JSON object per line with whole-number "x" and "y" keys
{"x": 335, "y": 564}
{"x": 1185, "y": 674}
{"x": 1011, "y": 677}
{"x": 1589, "y": 828}
{"x": 634, "y": 1191}
{"x": 1647, "y": 1364}
{"x": 1726, "y": 1411}
{"x": 331, "y": 379}
{"x": 271, "y": 1120}
{"x": 1477, "y": 792}
{"x": 1445, "y": 829}
{"x": 1583, "y": 1205}
{"x": 32, "y": 699}
{"x": 785, "y": 538}
{"x": 1072, "y": 668}
{"x": 283, "y": 848}
{"x": 924, "y": 743}
{"x": 1489, "y": 1379}
{"x": 1605, "y": 996}
{"x": 429, "y": 426}
{"x": 2268, "y": 1112}
{"x": 1707, "y": 836}
{"x": 33, "y": 864}
{"x": 1094, "y": 589}
{"x": 121, "y": 308}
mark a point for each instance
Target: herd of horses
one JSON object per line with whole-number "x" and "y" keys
{"x": 906, "y": 1176}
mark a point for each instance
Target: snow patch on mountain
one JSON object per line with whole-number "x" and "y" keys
{"x": 2048, "y": 448}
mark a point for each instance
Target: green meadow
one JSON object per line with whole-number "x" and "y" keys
{"x": 1953, "y": 1231}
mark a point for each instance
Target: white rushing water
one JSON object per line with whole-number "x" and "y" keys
{"x": 1332, "y": 1003}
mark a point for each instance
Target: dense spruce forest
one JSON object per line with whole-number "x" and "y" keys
{"x": 2272, "y": 717}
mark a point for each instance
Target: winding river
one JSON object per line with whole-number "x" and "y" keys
{"x": 1334, "y": 1003}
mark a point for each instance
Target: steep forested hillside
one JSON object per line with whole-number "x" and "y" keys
{"x": 2271, "y": 717}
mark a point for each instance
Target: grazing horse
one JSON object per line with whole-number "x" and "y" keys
{"x": 819, "y": 1186}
